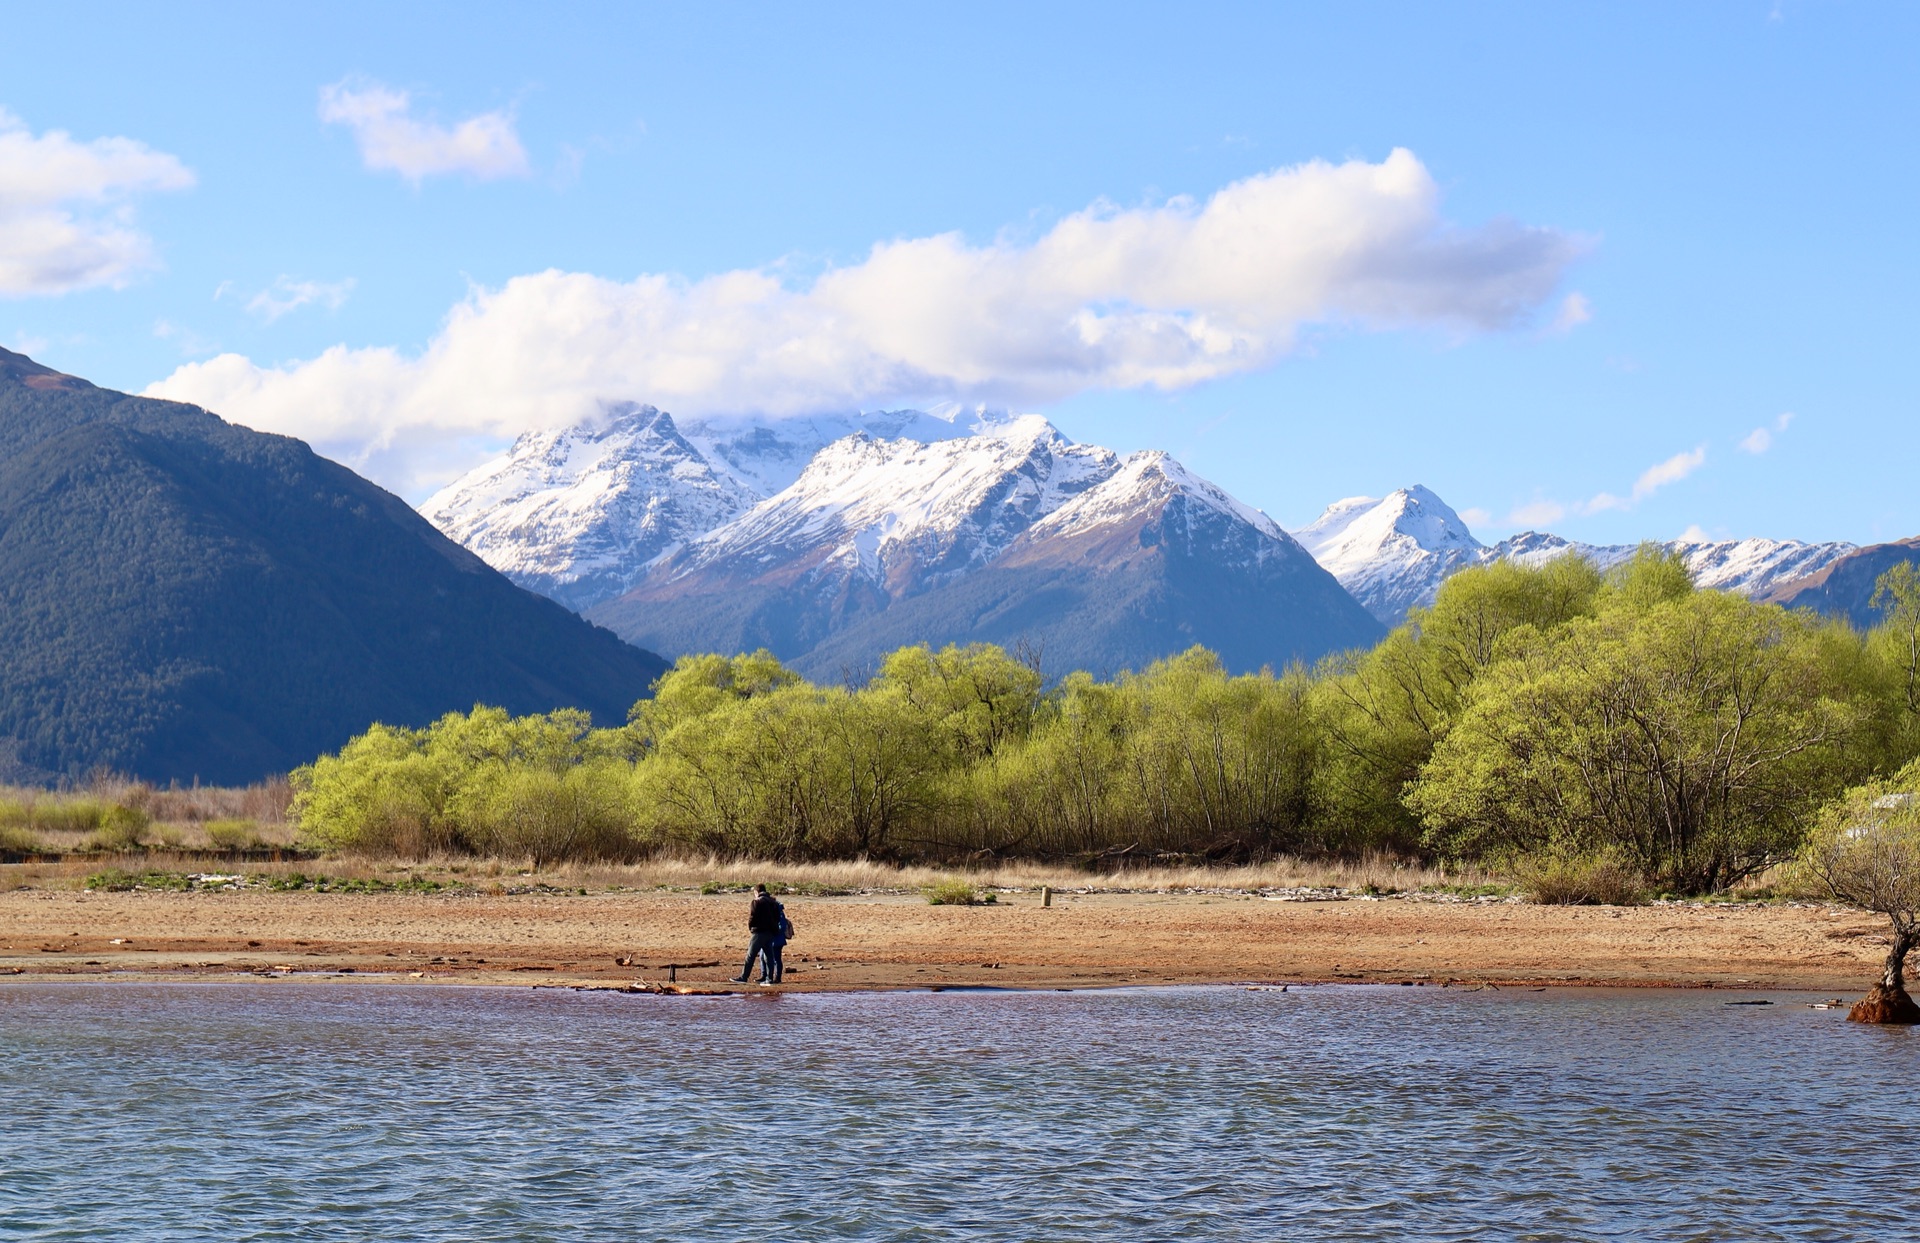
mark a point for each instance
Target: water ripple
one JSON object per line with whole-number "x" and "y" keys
{"x": 313, "y": 1112}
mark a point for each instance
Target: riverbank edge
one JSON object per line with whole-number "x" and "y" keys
{"x": 873, "y": 943}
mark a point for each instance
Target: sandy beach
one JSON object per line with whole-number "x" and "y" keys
{"x": 899, "y": 941}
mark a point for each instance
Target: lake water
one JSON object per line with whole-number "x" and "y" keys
{"x": 317, "y": 1112}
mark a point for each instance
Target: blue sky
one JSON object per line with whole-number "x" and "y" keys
{"x": 1620, "y": 240}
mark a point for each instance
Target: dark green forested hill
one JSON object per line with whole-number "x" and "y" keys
{"x": 182, "y": 598}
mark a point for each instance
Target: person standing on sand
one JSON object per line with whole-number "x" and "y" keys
{"x": 764, "y": 918}
{"x": 776, "y": 953}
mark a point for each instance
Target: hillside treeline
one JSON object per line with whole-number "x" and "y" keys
{"x": 1626, "y": 721}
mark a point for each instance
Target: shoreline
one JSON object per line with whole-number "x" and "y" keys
{"x": 883, "y": 942}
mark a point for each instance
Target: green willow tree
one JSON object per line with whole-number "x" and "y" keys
{"x": 1865, "y": 849}
{"x": 1383, "y": 712}
{"x": 1536, "y": 715}
{"x": 1693, "y": 730}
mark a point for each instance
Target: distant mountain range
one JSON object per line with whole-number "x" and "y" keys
{"x": 575, "y": 513}
{"x": 181, "y": 598}
{"x": 830, "y": 540}
{"x": 1393, "y": 553}
{"x": 844, "y": 538}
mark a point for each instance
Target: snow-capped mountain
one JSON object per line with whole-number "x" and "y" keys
{"x": 901, "y": 514}
{"x": 1148, "y": 562}
{"x": 1750, "y": 567}
{"x": 831, "y": 537}
{"x": 1153, "y": 483}
{"x": 576, "y": 513}
{"x": 766, "y": 455}
{"x": 1011, "y": 534}
{"x": 1393, "y": 554}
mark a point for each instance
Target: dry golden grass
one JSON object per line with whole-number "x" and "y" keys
{"x": 697, "y": 871}
{"x": 191, "y": 826}
{"x": 703, "y": 871}
{"x": 208, "y": 819}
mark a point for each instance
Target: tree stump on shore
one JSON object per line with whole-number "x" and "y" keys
{"x": 1885, "y": 1004}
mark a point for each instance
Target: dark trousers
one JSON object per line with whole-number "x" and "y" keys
{"x": 775, "y": 956}
{"x": 762, "y": 947}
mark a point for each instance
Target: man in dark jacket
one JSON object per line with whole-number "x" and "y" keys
{"x": 763, "y": 927}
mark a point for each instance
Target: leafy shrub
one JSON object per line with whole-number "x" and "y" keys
{"x": 1572, "y": 878}
{"x": 122, "y": 829}
{"x": 80, "y": 815}
{"x": 13, "y": 815}
{"x": 296, "y": 881}
{"x": 234, "y": 835}
{"x": 956, "y": 893}
{"x": 580, "y": 813}
{"x": 119, "y": 880}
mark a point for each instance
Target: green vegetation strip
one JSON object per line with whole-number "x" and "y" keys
{"x": 1595, "y": 737}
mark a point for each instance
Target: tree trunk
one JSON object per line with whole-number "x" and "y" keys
{"x": 1889, "y": 1002}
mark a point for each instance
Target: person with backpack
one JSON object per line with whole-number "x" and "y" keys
{"x": 764, "y": 919}
{"x": 776, "y": 953}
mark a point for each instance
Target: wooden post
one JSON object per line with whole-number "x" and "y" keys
{"x": 1046, "y": 896}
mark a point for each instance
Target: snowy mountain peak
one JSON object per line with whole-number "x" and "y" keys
{"x": 766, "y": 455}
{"x": 1392, "y": 553}
{"x": 1146, "y": 483}
{"x": 1409, "y": 519}
{"x": 578, "y": 513}
{"x": 573, "y": 512}
{"x": 902, "y": 513}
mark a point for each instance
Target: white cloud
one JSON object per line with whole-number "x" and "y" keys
{"x": 1695, "y": 534}
{"x": 1475, "y": 517}
{"x": 1673, "y": 470}
{"x": 1574, "y": 311}
{"x": 392, "y": 139}
{"x": 1760, "y": 439}
{"x": 1651, "y": 480}
{"x": 65, "y": 218}
{"x": 1162, "y": 297}
{"x": 286, "y": 295}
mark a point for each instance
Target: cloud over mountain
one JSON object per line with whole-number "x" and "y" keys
{"x": 1162, "y": 296}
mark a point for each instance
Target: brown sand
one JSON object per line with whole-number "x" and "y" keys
{"x": 897, "y": 941}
